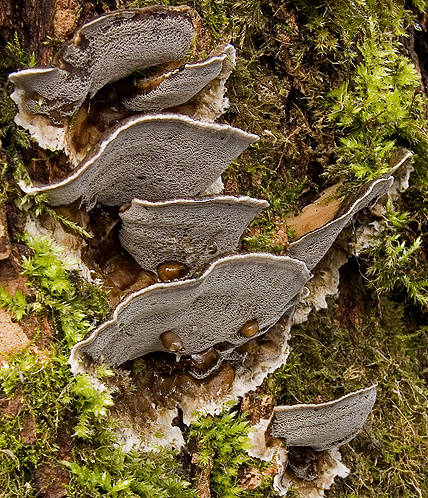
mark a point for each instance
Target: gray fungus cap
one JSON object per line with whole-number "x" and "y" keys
{"x": 188, "y": 231}
{"x": 177, "y": 87}
{"x": 325, "y": 425}
{"x": 200, "y": 312}
{"x": 102, "y": 51}
{"x": 160, "y": 157}
{"x": 313, "y": 246}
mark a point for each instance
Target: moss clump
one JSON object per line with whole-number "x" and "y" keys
{"x": 222, "y": 442}
{"x": 16, "y": 56}
{"x": 394, "y": 260}
{"x": 378, "y": 109}
{"x": 16, "y": 304}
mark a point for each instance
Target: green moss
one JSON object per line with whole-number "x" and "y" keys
{"x": 222, "y": 442}
{"x": 337, "y": 26}
{"x": 132, "y": 474}
{"x": 380, "y": 108}
{"x": 394, "y": 262}
{"x": 75, "y": 306}
{"x": 16, "y": 304}
{"x": 16, "y": 57}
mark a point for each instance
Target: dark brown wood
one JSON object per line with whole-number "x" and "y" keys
{"x": 42, "y": 25}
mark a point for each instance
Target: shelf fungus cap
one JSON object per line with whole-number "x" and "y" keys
{"x": 121, "y": 42}
{"x": 177, "y": 87}
{"x": 326, "y": 425}
{"x": 156, "y": 157}
{"x": 199, "y": 313}
{"x": 188, "y": 231}
{"x": 313, "y": 246}
{"x": 49, "y": 91}
{"x": 102, "y": 51}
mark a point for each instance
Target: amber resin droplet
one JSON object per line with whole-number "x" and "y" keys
{"x": 171, "y": 271}
{"x": 250, "y": 328}
{"x": 171, "y": 342}
{"x": 205, "y": 360}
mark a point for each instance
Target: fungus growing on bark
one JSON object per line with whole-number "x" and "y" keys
{"x": 121, "y": 42}
{"x": 102, "y": 51}
{"x": 210, "y": 103}
{"x": 190, "y": 231}
{"x": 200, "y": 312}
{"x": 326, "y": 425}
{"x": 49, "y": 91}
{"x": 176, "y": 87}
{"x": 158, "y": 157}
{"x": 313, "y": 246}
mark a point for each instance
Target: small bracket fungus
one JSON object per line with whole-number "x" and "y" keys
{"x": 190, "y": 231}
{"x": 103, "y": 51}
{"x": 121, "y": 42}
{"x": 200, "y": 313}
{"x": 49, "y": 91}
{"x": 158, "y": 157}
{"x": 326, "y": 425}
{"x": 313, "y": 246}
{"x": 210, "y": 103}
{"x": 177, "y": 87}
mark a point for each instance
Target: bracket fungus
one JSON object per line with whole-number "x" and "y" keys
{"x": 103, "y": 51}
{"x": 162, "y": 165}
{"x": 158, "y": 157}
{"x": 326, "y": 425}
{"x": 189, "y": 231}
{"x": 49, "y": 91}
{"x": 176, "y": 87}
{"x": 313, "y": 246}
{"x": 210, "y": 103}
{"x": 199, "y": 313}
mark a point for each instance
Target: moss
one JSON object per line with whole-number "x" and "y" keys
{"x": 16, "y": 57}
{"x": 16, "y": 304}
{"x": 394, "y": 260}
{"x": 380, "y": 108}
{"x": 222, "y": 442}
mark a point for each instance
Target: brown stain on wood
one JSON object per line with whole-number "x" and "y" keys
{"x": 4, "y": 236}
{"x": 65, "y": 17}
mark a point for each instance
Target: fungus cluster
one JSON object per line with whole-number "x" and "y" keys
{"x": 102, "y": 51}
{"x": 159, "y": 168}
